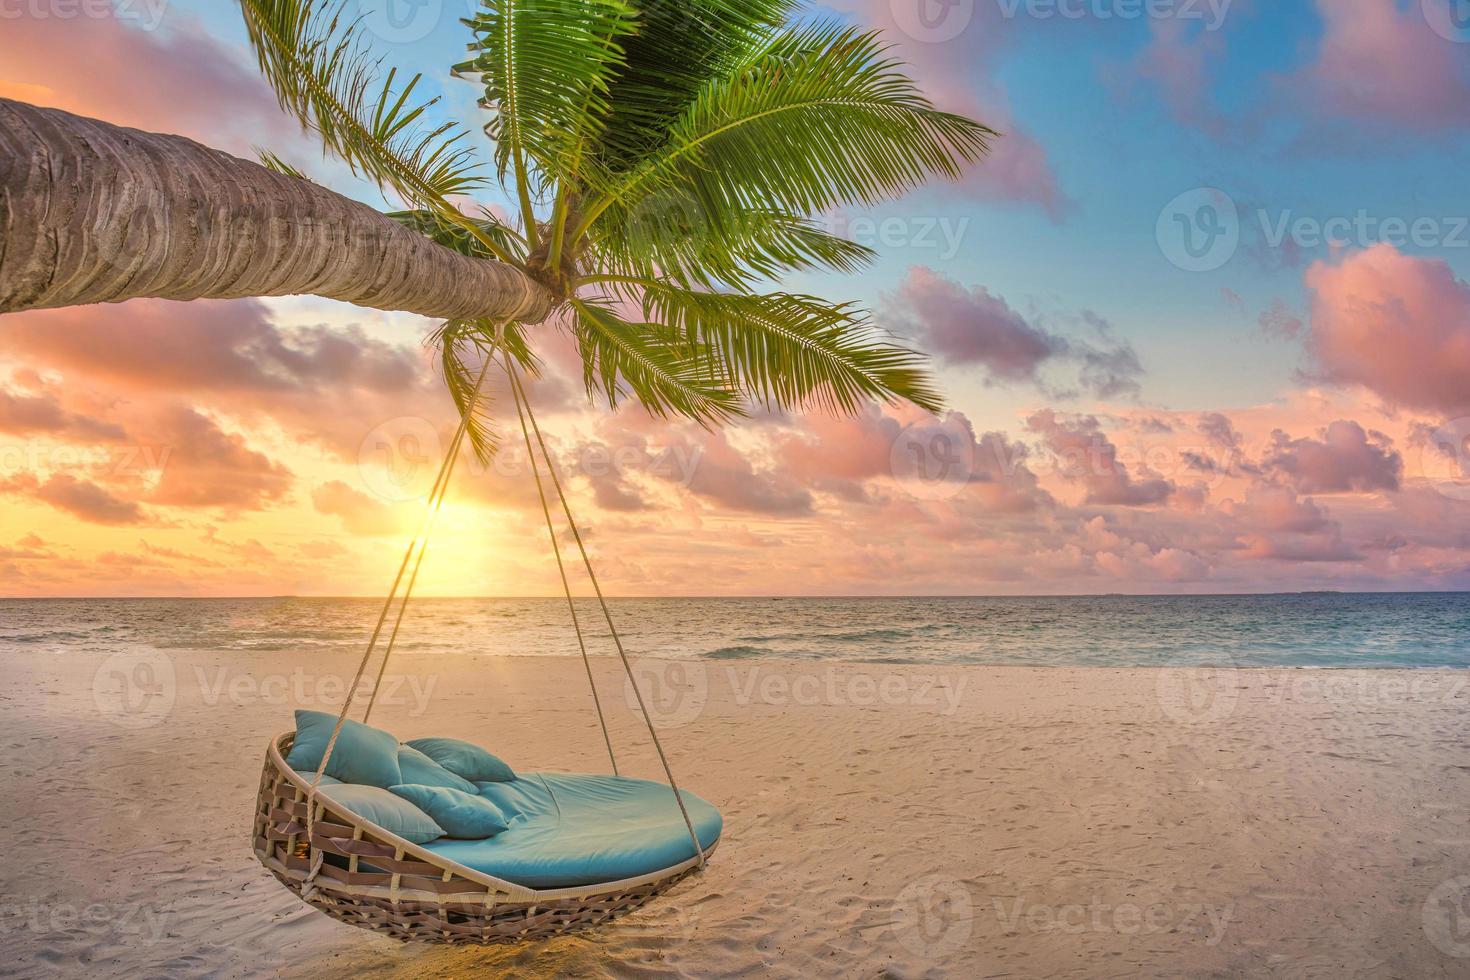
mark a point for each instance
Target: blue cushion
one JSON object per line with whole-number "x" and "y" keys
{"x": 568, "y": 830}
{"x": 362, "y": 754}
{"x": 325, "y": 780}
{"x": 383, "y": 808}
{"x": 419, "y": 770}
{"x": 464, "y": 759}
{"x": 462, "y": 815}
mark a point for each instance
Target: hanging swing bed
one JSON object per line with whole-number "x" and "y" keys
{"x": 437, "y": 840}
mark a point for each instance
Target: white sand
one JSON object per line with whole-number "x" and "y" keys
{"x": 1043, "y": 823}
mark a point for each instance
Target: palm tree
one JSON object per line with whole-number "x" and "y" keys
{"x": 96, "y": 213}
{"x": 665, "y": 159}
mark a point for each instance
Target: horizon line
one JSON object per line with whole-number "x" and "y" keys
{"x": 770, "y": 597}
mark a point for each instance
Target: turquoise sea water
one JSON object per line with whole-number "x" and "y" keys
{"x": 1309, "y": 630}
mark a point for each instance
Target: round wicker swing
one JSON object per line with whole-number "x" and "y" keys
{"x": 362, "y": 874}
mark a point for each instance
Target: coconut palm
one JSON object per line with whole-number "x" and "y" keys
{"x": 665, "y": 159}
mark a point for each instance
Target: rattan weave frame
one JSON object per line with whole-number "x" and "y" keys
{"x": 411, "y": 893}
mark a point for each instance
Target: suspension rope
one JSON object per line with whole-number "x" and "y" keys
{"x": 562, "y": 571}
{"x": 523, "y": 406}
{"x": 436, "y": 500}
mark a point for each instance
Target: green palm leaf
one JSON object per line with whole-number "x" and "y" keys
{"x": 680, "y": 239}
{"x": 794, "y": 351}
{"x": 323, "y": 73}
{"x": 667, "y": 374}
{"x": 818, "y": 118}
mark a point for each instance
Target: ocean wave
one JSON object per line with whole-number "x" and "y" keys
{"x": 736, "y": 653}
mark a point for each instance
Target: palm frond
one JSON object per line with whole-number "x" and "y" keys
{"x": 819, "y": 118}
{"x": 793, "y": 351}
{"x": 456, "y": 236}
{"x": 463, "y": 354}
{"x": 666, "y": 374}
{"x": 679, "y": 48}
{"x": 679, "y": 239}
{"x": 546, "y": 66}
{"x": 270, "y": 161}
{"x": 323, "y": 72}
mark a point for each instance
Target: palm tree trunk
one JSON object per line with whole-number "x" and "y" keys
{"x": 96, "y": 213}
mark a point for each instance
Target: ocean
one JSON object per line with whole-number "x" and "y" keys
{"x": 1301, "y": 630}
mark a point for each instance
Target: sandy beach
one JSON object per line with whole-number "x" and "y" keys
{"x": 898, "y": 821}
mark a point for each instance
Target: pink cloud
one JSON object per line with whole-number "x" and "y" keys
{"x": 328, "y": 385}
{"x": 1087, "y": 456}
{"x": 959, "y": 75}
{"x": 178, "y": 79}
{"x": 1396, "y": 324}
{"x": 78, "y": 497}
{"x": 971, "y": 326}
{"x": 1346, "y": 459}
{"x": 1380, "y": 62}
{"x": 360, "y": 514}
{"x": 1276, "y": 524}
{"x": 205, "y": 466}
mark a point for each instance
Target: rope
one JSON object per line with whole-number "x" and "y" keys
{"x": 441, "y": 485}
{"x": 562, "y": 571}
{"x": 523, "y": 405}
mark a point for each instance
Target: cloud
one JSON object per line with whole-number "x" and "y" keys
{"x": 1087, "y": 456}
{"x": 1218, "y": 428}
{"x": 1345, "y": 460}
{"x": 82, "y": 499}
{"x": 971, "y": 326}
{"x": 178, "y": 79}
{"x": 976, "y": 327}
{"x": 1380, "y": 63}
{"x": 26, "y": 414}
{"x": 725, "y": 476}
{"x": 1178, "y": 64}
{"x": 1276, "y": 524}
{"x": 205, "y": 466}
{"x": 359, "y": 513}
{"x": 961, "y": 75}
{"x": 1396, "y": 324}
{"x": 328, "y": 385}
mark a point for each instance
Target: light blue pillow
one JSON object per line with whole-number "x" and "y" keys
{"x": 465, "y": 760}
{"x": 391, "y": 812}
{"x": 462, "y": 815}
{"x": 419, "y": 770}
{"x": 326, "y": 780}
{"x": 362, "y": 754}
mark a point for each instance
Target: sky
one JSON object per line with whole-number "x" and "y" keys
{"x": 1202, "y": 320}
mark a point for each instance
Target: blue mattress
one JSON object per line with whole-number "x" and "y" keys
{"x": 568, "y": 830}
